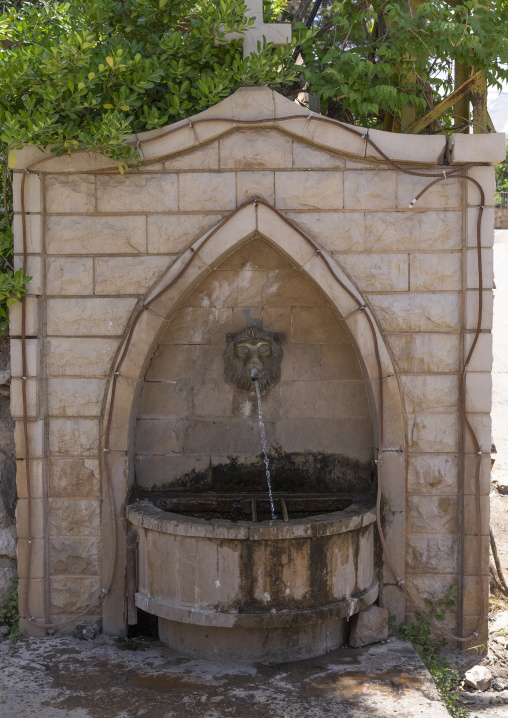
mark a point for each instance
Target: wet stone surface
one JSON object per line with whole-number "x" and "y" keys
{"x": 62, "y": 677}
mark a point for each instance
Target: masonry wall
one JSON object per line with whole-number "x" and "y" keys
{"x": 98, "y": 243}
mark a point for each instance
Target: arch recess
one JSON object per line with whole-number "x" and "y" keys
{"x": 259, "y": 219}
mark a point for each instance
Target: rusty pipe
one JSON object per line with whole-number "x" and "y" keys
{"x": 132, "y": 541}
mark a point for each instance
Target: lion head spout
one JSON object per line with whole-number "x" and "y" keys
{"x": 250, "y": 349}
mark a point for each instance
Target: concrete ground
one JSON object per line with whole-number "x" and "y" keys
{"x": 70, "y": 678}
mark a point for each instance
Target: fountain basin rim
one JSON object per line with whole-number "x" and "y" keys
{"x": 143, "y": 514}
{"x": 284, "y": 618}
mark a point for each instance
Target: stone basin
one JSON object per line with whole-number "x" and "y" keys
{"x": 255, "y": 591}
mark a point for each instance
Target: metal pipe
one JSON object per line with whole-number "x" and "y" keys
{"x": 132, "y": 540}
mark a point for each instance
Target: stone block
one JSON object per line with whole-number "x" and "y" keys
{"x": 37, "y": 568}
{"x": 274, "y": 319}
{"x": 75, "y": 397}
{"x": 335, "y": 231}
{"x": 438, "y": 393}
{"x": 173, "y": 363}
{"x": 75, "y": 594}
{"x": 368, "y": 626}
{"x": 481, "y": 424}
{"x": 371, "y": 189}
{"x": 438, "y": 312}
{"x": 477, "y": 466}
{"x": 161, "y": 399}
{"x": 256, "y": 150}
{"x": 413, "y": 230}
{"x": 32, "y": 398}
{"x": 325, "y": 399}
{"x": 70, "y": 194}
{"x": 219, "y": 288}
{"x": 69, "y": 555}
{"x": 473, "y": 512}
{"x": 487, "y": 269}
{"x": 435, "y": 272}
{"x": 35, "y": 602}
{"x": 486, "y": 227}
{"x": 74, "y": 517}
{"x": 252, "y": 185}
{"x": 159, "y": 436}
{"x": 32, "y": 318}
{"x": 126, "y": 396}
{"x": 435, "y": 475}
{"x": 391, "y": 473}
{"x": 35, "y": 439}
{"x": 33, "y": 201}
{"x": 302, "y": 361}
{"x": 316, "y": 325}
{"x": 69, "y": 275}
{"x": 351, "y": 437}
{"x": 155, "y": 471}
{"x": 68, "y": 437}
{"x": 80, "y": 356}
{"x": 289, "y": 287}
{"x": 308, "y": 157}
{"x": 96, "y": 235}
{"x": 194, "y": 325}
{"x": 33, "y": 233}
{"x": 33, "y": 527}
{"x": 432, "y": 514}
{"x": 137, "y": 192}
{"x": 338, "y": 361}
{"x": 207, "y": 191}
{"x": 309, "y": 190}
{"x": 255, "y": 254}
{"x": 479, "y": 392}
{"x": 203, "y": 158}
{"x": 476, "y": 596}
{"x": 481, "y": 359}
{"x": 431, "y": 554}
{"x": 377, "y": 272}
{"x": 471, "y": 555}
{"x": 214, "y": 399}
{"x": 172, "y": 233}
{"x": 143, "y": 342}
{"x": 486, "y": 176}
{"x": 128, "y": 275}
{"x": 74, "y": 478}
{"x": 489, "y": 148}
{"x": 472, "y": 309}
{"x": 33, "y": 269}
{"x": 224, "y": 437}
{"x": 84, "y": 316}
{"x": 433, "y": 432}
{"x": 35, "y": 478}
{"x": 283, "y": 235}
{"x": 425, "y": 352}
{"x": 446, "y": 194}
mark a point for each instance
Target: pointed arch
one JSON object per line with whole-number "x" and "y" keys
{"x": 257, "y": 218}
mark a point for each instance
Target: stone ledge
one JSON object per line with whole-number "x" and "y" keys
{"x": 279, "y": 619}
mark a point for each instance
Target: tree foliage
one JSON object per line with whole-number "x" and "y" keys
{"x": 88, "y": 75}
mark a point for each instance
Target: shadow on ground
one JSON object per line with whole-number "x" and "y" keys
{"x": 68, "y": 678}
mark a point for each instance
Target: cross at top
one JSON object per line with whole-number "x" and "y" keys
{"x": 278, "y": 33}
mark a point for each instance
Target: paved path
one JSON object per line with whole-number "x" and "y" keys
{"x": 69, "y": 678}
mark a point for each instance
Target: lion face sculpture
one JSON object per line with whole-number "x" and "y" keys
{"x": 253, "y": 348}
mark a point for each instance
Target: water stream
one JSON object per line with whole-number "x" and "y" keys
{"x": 263, "y": 444}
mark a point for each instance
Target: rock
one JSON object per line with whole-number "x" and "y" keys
{"x": 499, "y": 684}
{"x": 479, "y": 678}
{"x": 369, "y": 626}
{"x": 8, "y": 542}
{"x": 87, "y": 632}
{"x": 502, "y": 488}
{"x": 4, "y": 631}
